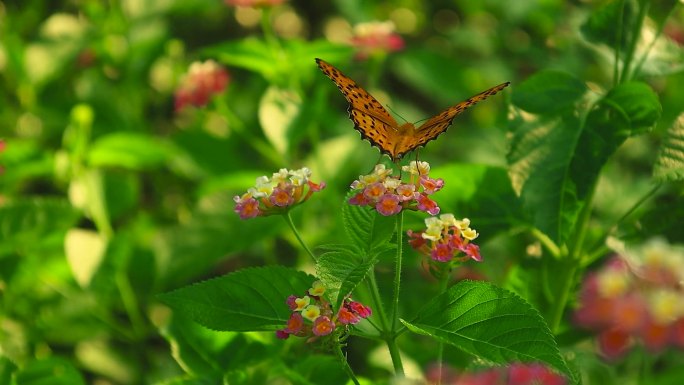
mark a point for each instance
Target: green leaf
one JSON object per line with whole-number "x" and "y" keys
{"x": 209, "y": 354}
{"x": 366, "y": 228}
{"x": 669, "y": 165}
{"x": 491, "y": 323}
{"x": 30, "y": 224}
{"x": 49, "y": 371}
{"x": 627, "y": 110}
{"x": 247, "y": 300}
{"x": 539, "y": 158}
{"x": 548, "y": 92}
{"x": 278, "y": 109}
{"x": 129, "y": 150}
{"x": 481, "y": 193}
{"x": 611, "y": 24}
{"x": 341, "y": 272}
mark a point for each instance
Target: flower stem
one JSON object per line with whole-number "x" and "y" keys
{"x": 385, "y": 333}
{"x": 397, "y": 272}
{"x": 443, "y": 285}
{"x": 288, "y": 219}
{"x": 344, "y": 362}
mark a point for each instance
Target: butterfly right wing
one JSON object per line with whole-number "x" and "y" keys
{"x": 369, "y": 116}
{"x": 439, "y": 123}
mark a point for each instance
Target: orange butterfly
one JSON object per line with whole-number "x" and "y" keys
{"x": 379, "y": 127}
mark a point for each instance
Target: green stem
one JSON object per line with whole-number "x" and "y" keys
{"x": 344, "y": 362}
{"x": 386, "y": 334}
{"x": 443, "y": 285}
{"x": 288, "y": 219}
{"x": 643, "y": 9}
{"x": 397, "y": 272}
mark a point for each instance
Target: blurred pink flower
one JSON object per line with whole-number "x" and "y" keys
{"x": 636, "y": 297}
{"x": 200, "y": 83}
{"x": 253, "y": 3}
{"x": 375, "y": 37}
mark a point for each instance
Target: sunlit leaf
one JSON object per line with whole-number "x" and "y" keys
{"x": 669, "y": 165}
{"x": 251, "y": 299}
{"x": 490, "y": 323}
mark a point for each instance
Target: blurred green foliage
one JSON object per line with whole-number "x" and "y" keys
{"x": 110, "y": 196}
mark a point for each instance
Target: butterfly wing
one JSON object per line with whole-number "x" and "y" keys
{"x": 439, "y": 123}
{"x": 369, "y": 116}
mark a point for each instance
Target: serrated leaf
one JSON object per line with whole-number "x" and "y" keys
{"x": 539, "y": 157}
{"x": 491, "y": 323}
{"x": 341, "y": 272}
{"x": 247, "y": 300}
{"x": 29, "y": 224}
{"x": 365, "y": 227}
{"x": 548, "y": 92}
{"x": 669, "y": 165}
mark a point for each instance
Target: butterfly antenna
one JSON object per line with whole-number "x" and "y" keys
{"x": 395, "y": 113}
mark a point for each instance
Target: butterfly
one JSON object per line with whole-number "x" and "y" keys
{"x": 377, "y": 126}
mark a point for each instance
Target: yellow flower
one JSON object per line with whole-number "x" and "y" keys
{"x": 317, "y": 289}
{"x": 311, "y": 312}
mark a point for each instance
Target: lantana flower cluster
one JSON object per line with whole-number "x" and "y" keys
{"x": 636, "y": 297}
{"x": 513, "y": 374}
{"x": 375, "y": 37}
{"x": 277, "y": 194}
{"x": 313, "y": 316}
{"x": 389, "y": 195}
{"x": 445, "y": 238}
{"x": 202, "y": 81}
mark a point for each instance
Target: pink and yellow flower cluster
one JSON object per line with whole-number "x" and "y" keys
{"x": 636, "y": 297}
{"x": 313, "y": 316}
{"x": 445, "y": 238}
{"x": 513, "y": 374}
{"x": 389, "y": 195}
{"x": 277, "y": 194}
{"x": 203, "y": 80}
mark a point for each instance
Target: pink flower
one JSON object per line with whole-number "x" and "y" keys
{"x": 295, "y": 323}
{"x": 291, "y": 302}
{"x": 203, "y": 80}
{"x": 346, "y": 317}
{"x": 613, "y": 343}
{"x": 390, "y": 195}
{"x": 441, "y": 252}
{"x": 375, "y": 38}
{"x": 323, "y": 326}
{"x": 246, "y": 208}
{"x": 277, "y": 194}
{"x": 430, "y": 185}
{"x": 253, "y": 3}
{"x": 359, "y": 309}
{"x": 388, "y": 205}
{"x": 312, "y": 314}
{"x": 282, "y": 197}
{"x": 426, "y": 204}
{"x": 443, "y": 239}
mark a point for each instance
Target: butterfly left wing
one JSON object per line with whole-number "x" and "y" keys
{"x": 439, "y": 123}
{"x": 369, "y": 116}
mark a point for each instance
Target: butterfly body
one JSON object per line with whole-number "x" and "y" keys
{"x": 379, "y": 127}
